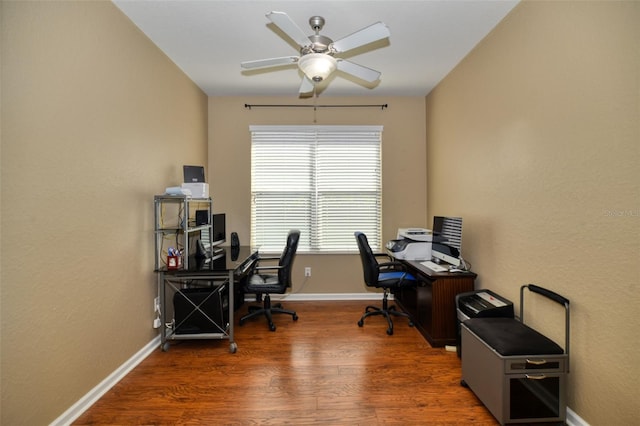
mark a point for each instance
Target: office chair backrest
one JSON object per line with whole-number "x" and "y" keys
{"x": 287, "y": 257}
{"x": 369, "y": 262}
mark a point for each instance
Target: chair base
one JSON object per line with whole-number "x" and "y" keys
{"x": 268, "y": 310}
{"x": 386, "y": 311}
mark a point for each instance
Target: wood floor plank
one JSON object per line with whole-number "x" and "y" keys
{"x": 322, "y": 369}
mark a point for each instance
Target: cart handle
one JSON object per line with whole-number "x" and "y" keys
{"x": 556, "y": 298}
{"x": 548, "y": 293}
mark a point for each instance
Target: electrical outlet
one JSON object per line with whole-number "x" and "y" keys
{"x": 307, "y": 271}
{"x": 156, "y": 323}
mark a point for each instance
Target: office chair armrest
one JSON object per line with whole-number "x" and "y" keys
{"x": 381, "y": 254}
{"x": 393, "y": 266}
{"x": 385, "y": 255}
{"x": 264, "y": 268}
{"x": 268, "y": 258}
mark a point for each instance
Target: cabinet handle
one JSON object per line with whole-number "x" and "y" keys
{"x": 535, "y": 376}
{"x": 536, "y": 361}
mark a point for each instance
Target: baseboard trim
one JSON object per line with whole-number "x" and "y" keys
{"x": 308, "y": 297}
{"x": 96, "y": 393}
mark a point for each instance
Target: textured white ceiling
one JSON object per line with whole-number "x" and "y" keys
{"x": 208, "y": 39}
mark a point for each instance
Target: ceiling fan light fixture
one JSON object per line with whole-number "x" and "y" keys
{"x": 317, "y": 66}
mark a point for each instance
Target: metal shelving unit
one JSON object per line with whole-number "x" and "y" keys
{"x": 175, "y": 217}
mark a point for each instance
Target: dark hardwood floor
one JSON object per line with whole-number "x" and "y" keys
{"x": 322, "y": 369}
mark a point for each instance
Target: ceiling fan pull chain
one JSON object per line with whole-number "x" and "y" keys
{"x": 315, "y": 105}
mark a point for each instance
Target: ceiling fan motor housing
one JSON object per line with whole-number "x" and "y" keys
{"x": 319, "y": 44}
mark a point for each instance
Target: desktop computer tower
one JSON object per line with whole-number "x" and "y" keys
{"x": 201, "y": 310}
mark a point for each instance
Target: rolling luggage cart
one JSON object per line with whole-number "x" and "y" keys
{"x": 519, "y": 374}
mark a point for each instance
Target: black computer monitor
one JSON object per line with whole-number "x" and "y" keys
{"x": 218, "y": 220}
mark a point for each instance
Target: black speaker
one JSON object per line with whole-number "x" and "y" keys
{"x": 235, "y": 246}
{"x": 202, "y": 217}
{"x": 201, "y": 310}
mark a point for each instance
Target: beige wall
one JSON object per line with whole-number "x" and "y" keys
{"x": 537, "y": 134}
{"x": 403, "y": 170}
{"x": 95, "y": 121}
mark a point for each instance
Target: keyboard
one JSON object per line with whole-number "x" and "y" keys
{"x": 434, "y": 266}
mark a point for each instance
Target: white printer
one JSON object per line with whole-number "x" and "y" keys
{"x": 411, "y": 244}
{"x": 197, "y": 189}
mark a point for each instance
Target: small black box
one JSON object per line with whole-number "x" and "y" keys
{"x": 201, "y": 310}
{"x": 202, "y": 217}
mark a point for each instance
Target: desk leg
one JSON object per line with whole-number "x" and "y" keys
{"x": 164, "y": 345}
{"x": 233, "y": 347}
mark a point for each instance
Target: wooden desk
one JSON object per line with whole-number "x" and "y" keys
{"x": 431, "y": 303}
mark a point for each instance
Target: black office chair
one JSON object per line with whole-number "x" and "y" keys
{"x": 275, "y": 283}
{"x": 388, "y": 276}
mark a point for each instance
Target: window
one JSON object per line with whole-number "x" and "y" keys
{"x": 323, "y": 180}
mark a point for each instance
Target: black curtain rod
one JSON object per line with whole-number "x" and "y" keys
{"x": 249, "y": 106}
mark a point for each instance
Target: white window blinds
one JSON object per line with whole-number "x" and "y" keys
{"x": 323, "y": 180}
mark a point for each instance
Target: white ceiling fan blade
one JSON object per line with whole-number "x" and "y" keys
{"x": 282, "y": 21}
{"x": 364, "y": 73}
{"x": 306, "y": 86}
{"x": 367, "y": 35}
{"x": 272, "y": 62}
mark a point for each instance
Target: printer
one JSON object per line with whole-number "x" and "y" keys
{"x": 480, "y": 304}
{"x": 197, "y": 189}
{"x": 194, "y": 181}
{"x": 411, "y": 244}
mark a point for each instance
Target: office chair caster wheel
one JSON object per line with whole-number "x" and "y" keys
{"x": 463, "y": 383}
{"x": 165, "y": 347}
{"x": 233, "y": 348}
{"x": 295, "y": 317}
{"x": 360, "y": 323}
{"x": 390, "y": 331}
{"x": 272, "y": 326}
{"x": 410, "y": 323}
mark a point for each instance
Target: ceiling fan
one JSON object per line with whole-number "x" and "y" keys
{"x": 318, "y": 58}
